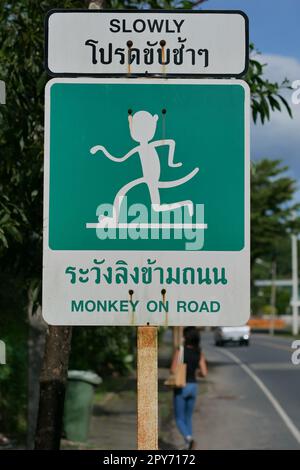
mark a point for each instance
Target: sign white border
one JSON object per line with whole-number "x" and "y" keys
{"x": 237, "y": 295}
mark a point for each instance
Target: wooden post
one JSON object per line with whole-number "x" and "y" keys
{"x": 147, "y": 388}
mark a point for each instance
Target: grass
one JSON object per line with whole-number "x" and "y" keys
{"x": 115, "y": 385}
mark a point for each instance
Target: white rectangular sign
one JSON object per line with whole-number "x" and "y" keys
{"x": 172, "y": 43}
{"x": 146, "y": 202}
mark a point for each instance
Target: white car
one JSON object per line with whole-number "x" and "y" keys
{"x": 232, "y": 334}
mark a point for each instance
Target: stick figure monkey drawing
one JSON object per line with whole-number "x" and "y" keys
{"x": 142, "y": 127}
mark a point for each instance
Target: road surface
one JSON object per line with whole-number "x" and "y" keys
{"x": 251, "y": 398}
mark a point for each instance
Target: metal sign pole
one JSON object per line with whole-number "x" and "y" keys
{"x": 147, "y": 388}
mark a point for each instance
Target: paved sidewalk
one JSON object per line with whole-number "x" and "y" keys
{"x": 113, "y": 422}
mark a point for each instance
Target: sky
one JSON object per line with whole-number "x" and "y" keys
{"x": 275, "y": 31}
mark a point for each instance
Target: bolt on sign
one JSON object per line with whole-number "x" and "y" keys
{"x": 146, "y": 201}
{"x": 176, "y": 43}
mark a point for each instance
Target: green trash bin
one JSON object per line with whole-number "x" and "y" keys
{"x": 78, "y": 404}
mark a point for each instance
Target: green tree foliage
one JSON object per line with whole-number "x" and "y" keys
{"x": 105, "y": 350}
{"x": 273, "y": 213}
{"x": 261, "y": 297}
{"x": 274, "y": 216}
{"x": 13, "y": 374}
{"x": 265, "y": 95}
{"x": 150, "y": 4}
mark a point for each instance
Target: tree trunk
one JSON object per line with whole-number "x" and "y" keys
{"x": 52, "y": 387}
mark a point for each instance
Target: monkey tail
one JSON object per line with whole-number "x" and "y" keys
{"x": 172, "y": 184}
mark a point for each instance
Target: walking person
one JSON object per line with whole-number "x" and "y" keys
{"x": 185, "y": 397}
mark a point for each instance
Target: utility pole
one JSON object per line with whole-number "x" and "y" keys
{"x": 295, "y": 281}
